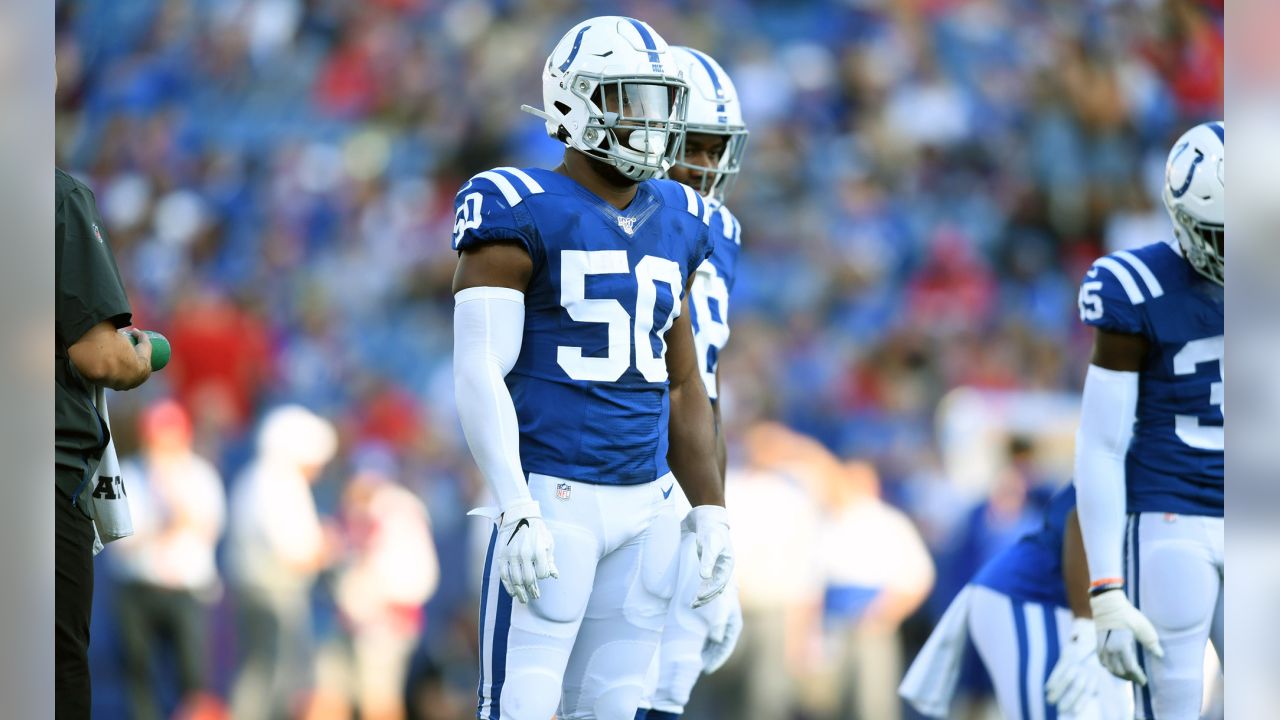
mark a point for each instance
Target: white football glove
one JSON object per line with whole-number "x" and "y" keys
{"x": 1075, "y": 678}
{"x": 722, "y": 636}
{"x": 523, "y": 551}
{"x": 1118, "y": 625}
{"x": 710, "y": 526}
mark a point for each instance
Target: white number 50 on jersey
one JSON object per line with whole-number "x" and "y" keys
{"x": 575, "y": 266}
{"x": 1188, "y": 427}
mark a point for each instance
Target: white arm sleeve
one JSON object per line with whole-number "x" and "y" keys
{"x": 488, "y": 327}
{"x": 1107, "y": 415}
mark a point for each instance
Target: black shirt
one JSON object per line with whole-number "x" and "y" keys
{"x": 87, "y": 291}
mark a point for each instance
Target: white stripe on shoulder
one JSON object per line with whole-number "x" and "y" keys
{"x": 1144, "y": 272}
{"x": 737, "y": 230}
{"x": 726, "y": 221}
{"x": 504, "y": 186}
{"x": 526, "y": 178}
{"x": 691, "y": 198}
{"x": 1125, "y": 277}
{"x": 706, "y": 213}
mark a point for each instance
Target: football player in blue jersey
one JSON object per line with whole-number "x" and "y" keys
{"x": 698, "y": 640}
{"x": 1027, "y": 613}
{"x": 1149, "y": 450}
{"x": 578, "y": 384}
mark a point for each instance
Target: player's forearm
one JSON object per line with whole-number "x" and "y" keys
{"x": 488, "y": 326}
{"x": 1108, "y": 409}
{"x": 692, "y": 453}
{"x": 1075, "y": 570}
{"x": 106, "y": 357}
{"x": 722, "y": 450}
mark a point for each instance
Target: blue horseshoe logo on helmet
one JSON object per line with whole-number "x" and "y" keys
{"x": 573, "y": 53}
{"x": 1191, "y": 173}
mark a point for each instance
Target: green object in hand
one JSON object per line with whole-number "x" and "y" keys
{"x": 160, "y": 349}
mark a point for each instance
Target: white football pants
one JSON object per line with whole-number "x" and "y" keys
{"x": 581, "y": 651}
{"x": 1019, "y": 643}
{"x": 678, "y": 663}
{"x": 1174, "y": 570}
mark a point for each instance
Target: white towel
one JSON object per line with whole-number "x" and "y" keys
{"x": 103, "y": 498}
{"x": 930, "y": 682}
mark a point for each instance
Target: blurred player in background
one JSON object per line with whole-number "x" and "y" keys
{"x": 699, "y": 640}
{"x": 276, "y": 546}
{"x": 574, "y": 362}
{"x": 167, "y": 571}
{"x": 391, "y": 572}
{"x": 1149, "y": 451}
{"x": 852, "y": 661}
{"x": 1027, "y": 613}
{"x": 877, "y": 572}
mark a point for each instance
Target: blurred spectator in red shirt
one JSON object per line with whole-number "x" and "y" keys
{"x": 221, "y": 360}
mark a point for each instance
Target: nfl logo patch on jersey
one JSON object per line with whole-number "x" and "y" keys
{"x": 562, "y": 490}
{"x": 628, "y": 224}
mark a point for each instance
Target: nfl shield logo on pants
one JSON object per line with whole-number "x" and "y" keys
{"x": 562, "y": 490}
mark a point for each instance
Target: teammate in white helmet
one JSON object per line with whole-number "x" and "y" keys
{"x": 1149, "y": 451}
{"x": 578, "y": 384}
{"x": 699, "y": 640}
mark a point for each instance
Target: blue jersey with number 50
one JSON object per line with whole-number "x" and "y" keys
{"x": 1175, "y": 460}
{"x": 590, "y": 386}
{"x": 709, "y": 294}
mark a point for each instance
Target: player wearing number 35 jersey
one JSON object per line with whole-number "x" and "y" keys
{"x": 1149, "y": 452}
{"x": 578, "y": 385}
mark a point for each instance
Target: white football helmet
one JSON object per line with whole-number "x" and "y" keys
{"x": 611, "y": 90}
{"x": 713, "y": 110}
{"x": 1194, "y": 185}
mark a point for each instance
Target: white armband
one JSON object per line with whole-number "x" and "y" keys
{"x": 1107, "y": 414}
{"x": 488, "y": 327}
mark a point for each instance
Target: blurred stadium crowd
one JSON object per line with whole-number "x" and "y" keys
{"x": 926, "y": 182}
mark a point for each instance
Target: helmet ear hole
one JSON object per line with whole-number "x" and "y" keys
{"x": 562, "y": 134}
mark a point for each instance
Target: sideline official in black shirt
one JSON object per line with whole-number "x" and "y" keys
{"x": 90, "y": 307}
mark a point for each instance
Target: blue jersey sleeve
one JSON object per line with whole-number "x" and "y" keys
{"x": 1110, "y": 298}
{"x": 730, "y": 236}
{"x": 490, "y": 208}
{"x": 703, "y": 247}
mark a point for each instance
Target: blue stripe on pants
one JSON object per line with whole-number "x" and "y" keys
{"x": 484, "y": 601}
{"x": 1020, "y": 627}
{"x": 1051, "y": 656}
{"x": 1136, "y": 591}
{"x": 501, "y": 629}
